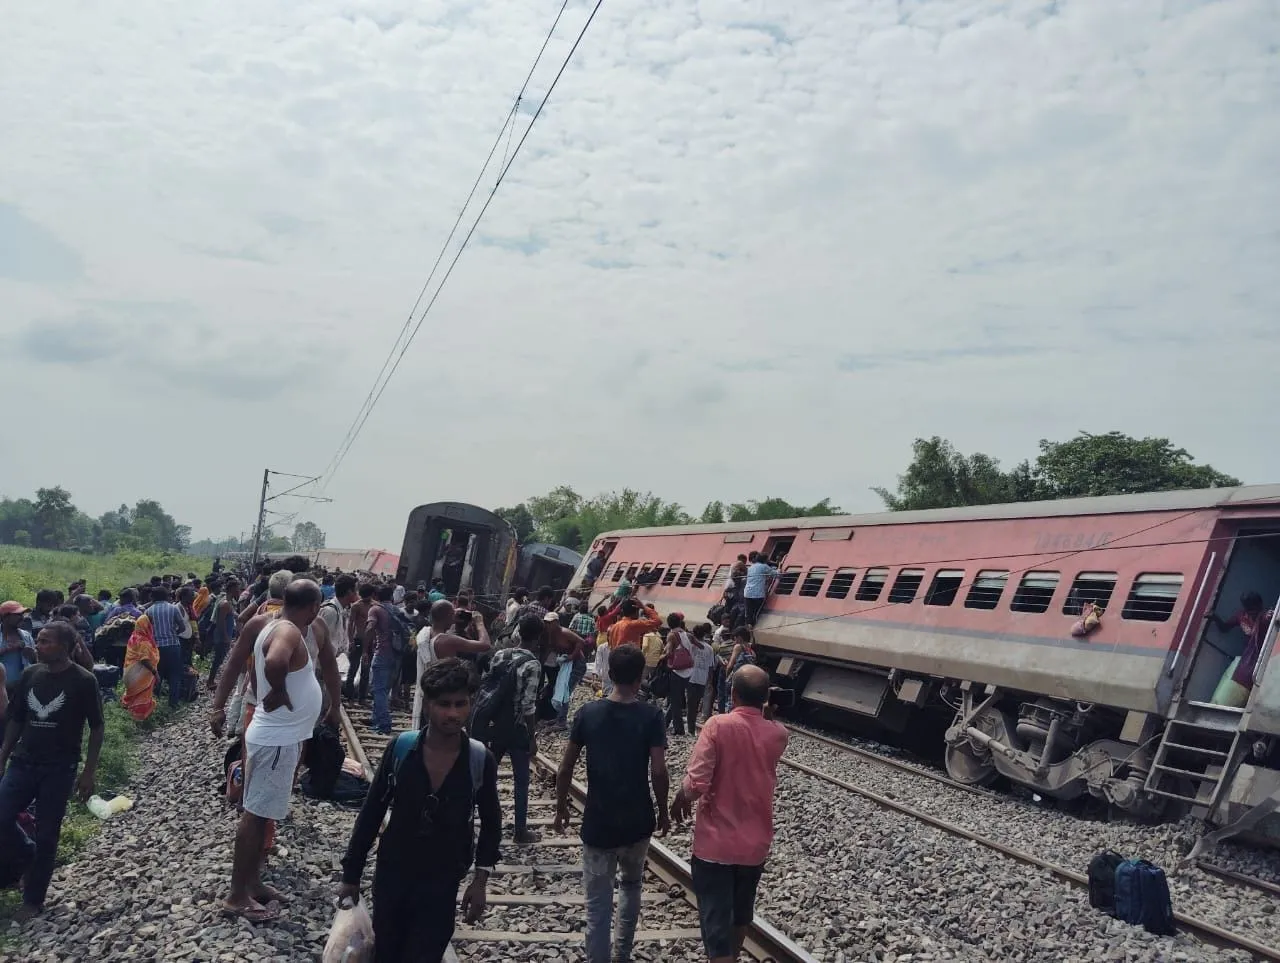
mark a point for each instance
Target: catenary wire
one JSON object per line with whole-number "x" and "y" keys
{"x": 465, "y": 241}
{"x": 508, "y": 126}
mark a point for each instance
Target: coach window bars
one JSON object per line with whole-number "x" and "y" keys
{"x": 1152, "y": 597}
{"x": 633, "y": 571}
{"x": 787, "y": 580}
{"x": 812, "y": 584}
{"x": 617, "y": 572}
{"x": 988, "y": 586}
{"x": 1095, "y": 587}
{"x": 672, "y": 572}
{"x": 906, "y": 585}
{"x": 841, "y": 583}
{"x": 686, "y": 574}
{"x": 944, "y": 587}
{"x": 656, "y": 575}
{"x": 721, "y": 576}
{"x": 872, "y": 584}
{"x": 1035, "y": 592}
{"x": 704, "y": 573}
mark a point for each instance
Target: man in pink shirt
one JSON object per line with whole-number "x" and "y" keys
{"x": 734, "y": 771}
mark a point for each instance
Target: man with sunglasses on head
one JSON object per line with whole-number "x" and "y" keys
{"x": 433, "y": 781}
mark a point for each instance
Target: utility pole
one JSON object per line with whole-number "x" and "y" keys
{"x": 262, "y": 517}
{"x": 263, "y": 499}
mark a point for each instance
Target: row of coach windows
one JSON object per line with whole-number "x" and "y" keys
{"x": 1151, "y": 598}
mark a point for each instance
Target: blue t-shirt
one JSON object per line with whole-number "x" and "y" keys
{"x": 14, "y": 663}
{"x": 758, "y": 575}
{"x": 326, "y": 592}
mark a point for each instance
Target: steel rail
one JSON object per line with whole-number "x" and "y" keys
{"x": 765, "y": 942}
{"x": 1205, "y": 931}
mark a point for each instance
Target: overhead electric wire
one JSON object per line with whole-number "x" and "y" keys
{"x": 341, "y": 456}
{"x": 508, "y": 127}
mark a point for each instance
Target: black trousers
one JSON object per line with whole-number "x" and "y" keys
{"x": 353, "y": 666}
{"x": 675, "y": 704}
{"x": 414, "y": 913}
{"x": 754, "y": 607}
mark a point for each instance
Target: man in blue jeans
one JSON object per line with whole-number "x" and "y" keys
{"x": 626, "y": 743}
{"x": 170, "y": 624}
{"x": 513, "y": 734}
{"x": 384, "y": 668}
{"x": 51, "y": 704}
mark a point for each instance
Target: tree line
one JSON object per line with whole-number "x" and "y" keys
{"x": 306, "y": 537}
{"x": 51, "y": 520}
{"x": 938, "y": 476}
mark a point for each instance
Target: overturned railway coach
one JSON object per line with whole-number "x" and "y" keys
{"x": 971, "y": 612}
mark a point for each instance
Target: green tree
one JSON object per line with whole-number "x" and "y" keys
{"x": 307, "y": 537}
{"x": 521, "y": 520}
{"x": 772, "y": 508}
{"x": 22, "y": 537}
{"x": 54, "y": 516}
{"x": 16, "y": 515}
{"x": 713, "y": 514}
{"x": 1117, "y": 464}
{"x": 555, "y": 506}
{"x": 939, "y": 476}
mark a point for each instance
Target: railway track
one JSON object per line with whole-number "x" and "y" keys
{"x": 1235, "y": 878}
{"x": 536, "y": 900}
{"x": 1203, "y": 930}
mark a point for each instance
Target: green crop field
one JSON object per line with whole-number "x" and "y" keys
{"x": 23, "y": 571}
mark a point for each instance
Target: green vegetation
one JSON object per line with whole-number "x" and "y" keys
{"x": 940, "y": 476}
{"x": 563, "y": 517}
{"x": 52, "y": 521}
{"x": 23, "y": 571}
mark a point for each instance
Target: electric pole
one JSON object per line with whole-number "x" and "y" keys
{"x": 260, "y": 528}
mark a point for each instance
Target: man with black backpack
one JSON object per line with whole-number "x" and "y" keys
{"x": 434, "y": 781}
{"x": 505, "y": 714}
{"x": 387, "y": 633}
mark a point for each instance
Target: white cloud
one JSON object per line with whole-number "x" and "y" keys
{"x": 751, "y": 248}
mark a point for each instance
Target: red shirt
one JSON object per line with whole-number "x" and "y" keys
{"x": 734, "y": 771}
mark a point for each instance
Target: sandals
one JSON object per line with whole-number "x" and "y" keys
{"x": 255, "y": 913}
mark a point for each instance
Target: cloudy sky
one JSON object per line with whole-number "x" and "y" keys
{"x": 752, "y": 247}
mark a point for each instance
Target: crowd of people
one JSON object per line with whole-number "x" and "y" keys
{"x": 481, "y": 686}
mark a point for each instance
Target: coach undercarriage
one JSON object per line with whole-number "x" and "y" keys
{"x": 1061, "y": 748}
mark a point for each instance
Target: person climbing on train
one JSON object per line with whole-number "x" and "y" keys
{"x": 761, "y": 575}
{"x": 1253, "y": 622}
{"x": 433, "y": 782}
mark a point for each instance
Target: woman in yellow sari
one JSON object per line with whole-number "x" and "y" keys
{"x": 141, "y": 660}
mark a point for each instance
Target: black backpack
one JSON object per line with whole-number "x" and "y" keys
{"x": 401, "y": 628}
{"x": 324, "y": 760}
{"x": 1142, "y": 897}
{"x": 493, "y": 711}
{"x": 1102, "y": 880}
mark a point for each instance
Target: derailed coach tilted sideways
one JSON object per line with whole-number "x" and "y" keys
{"x": 1113, "y": 646}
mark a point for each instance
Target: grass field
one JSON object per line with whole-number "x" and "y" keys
{"x": 24, "y": 571}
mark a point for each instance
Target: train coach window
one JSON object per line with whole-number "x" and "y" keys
{"x": 787, "y": 580}
{"x": 633, "y": 571}
{"x": 704, "y": 573}
{"x": 617, "y": 572}
{"x": 841, "y": 582}
{"x": 945, "y": 585}
{"x": 812, "y": 584}
{"x": 656, "y": 575}
{"x": 1095, "y": 587}
{"x": 721, "y": 576}
{"x": 986, "y": 590}
{"x": 1152, "y": 598}
{"x": 906, "y": 585}
{"x": 872, "y": 584}
{"x": 1035, "y": 592}
{"x": 686, "y": 574}
{"x": 672, "y": 572}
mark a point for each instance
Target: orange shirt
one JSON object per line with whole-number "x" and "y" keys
{"x": 633, "y": 631}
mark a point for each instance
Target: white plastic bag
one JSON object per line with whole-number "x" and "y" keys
{"x": 350, "y": 937}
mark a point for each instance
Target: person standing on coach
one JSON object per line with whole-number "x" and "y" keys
{"x": 52, "y": 702}
{"x": 626, "y": 744}
{"x": 430, "y": 842}
{"x": 733, "y": 771}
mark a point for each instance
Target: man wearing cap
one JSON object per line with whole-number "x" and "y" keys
{"x": 17, "y": 647}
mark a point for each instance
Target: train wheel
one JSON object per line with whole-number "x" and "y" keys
{"x": 964, "y": 767}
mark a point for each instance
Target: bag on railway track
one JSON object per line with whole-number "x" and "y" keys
{"x": 1142, "y": 897}
{"x": 324, "y": 761}
{"x": 1102, "y": 880}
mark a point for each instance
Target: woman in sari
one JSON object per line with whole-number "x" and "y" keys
{"x": 140, "y": 661}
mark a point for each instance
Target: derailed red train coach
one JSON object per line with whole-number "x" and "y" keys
{"x": 970, "y": 612}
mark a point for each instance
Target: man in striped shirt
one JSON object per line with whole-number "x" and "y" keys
{"x": 170, "y": 625}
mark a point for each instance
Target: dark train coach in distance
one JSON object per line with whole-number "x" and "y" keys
{"x": 1116, "y": 646}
